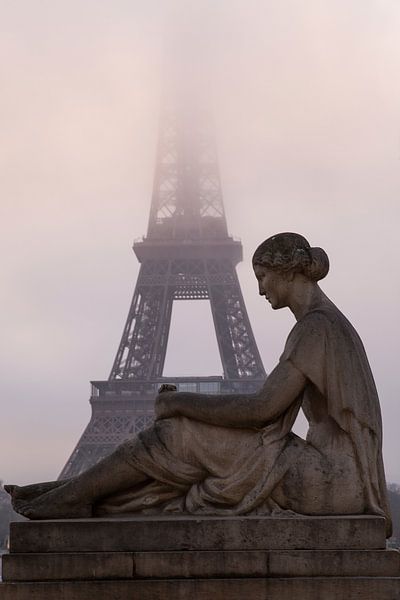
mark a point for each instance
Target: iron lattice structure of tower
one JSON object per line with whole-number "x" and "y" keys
{"x": 186, "y": 255}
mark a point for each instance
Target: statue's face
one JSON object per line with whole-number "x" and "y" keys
{"x": 273, "y": 285}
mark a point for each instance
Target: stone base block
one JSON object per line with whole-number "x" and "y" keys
{"x": 141, "y": 534}
{"x": 200, "y": 564}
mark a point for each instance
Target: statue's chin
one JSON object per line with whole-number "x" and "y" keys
{"x": 278, "y": 306}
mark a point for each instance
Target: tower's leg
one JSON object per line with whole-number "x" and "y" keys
{"x": 239, "y": 354}
{"x": 141, "y": 353}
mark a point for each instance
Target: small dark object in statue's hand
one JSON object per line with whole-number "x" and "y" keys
{"x": 167, "y": 387}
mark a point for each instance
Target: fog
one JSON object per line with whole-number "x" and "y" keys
{"x": 305, "y": 98}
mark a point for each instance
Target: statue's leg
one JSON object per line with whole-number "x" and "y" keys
{"x": 75, "y": 497}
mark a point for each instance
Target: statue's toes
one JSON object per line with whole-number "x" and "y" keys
{"x": 24, "y": 509}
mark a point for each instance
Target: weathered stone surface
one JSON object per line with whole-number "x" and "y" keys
{"x": 334, "y": 563}
{"x": 193, "y": 533}
{"x": 315, "y": 588}
{"x": 68, "y": 566}
{"x": 201, "y": 564}
{"x": 297, "y": 563}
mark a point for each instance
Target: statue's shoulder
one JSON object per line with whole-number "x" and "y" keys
{"x": 316, "y": 324}
{"x": 317, "y": 318}
{"x": 326, "y": 322}
{"x": 323, "y": 315}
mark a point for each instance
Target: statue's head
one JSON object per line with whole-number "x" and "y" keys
{"x": 291, "y": 252}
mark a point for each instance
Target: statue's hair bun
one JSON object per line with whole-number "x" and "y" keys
{"x": 319, "y": 266}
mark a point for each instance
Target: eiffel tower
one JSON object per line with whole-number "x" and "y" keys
{"x": 186, "y": 255}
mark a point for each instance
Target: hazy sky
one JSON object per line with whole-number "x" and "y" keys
{"x": 306, "y": 100}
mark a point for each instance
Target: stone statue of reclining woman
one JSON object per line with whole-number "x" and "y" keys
{"x": 236, "y": 454}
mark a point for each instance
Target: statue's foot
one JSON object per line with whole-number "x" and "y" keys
{"x": 47, "y": 506}
{"x": 48, "y": 501}
{"x": 28, "y": 492}
{"x": 17, "y": 495}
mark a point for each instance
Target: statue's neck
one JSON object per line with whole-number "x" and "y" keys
{"x": 306, "y": 297}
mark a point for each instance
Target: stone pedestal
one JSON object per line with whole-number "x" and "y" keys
{"x": 172, "y": 558}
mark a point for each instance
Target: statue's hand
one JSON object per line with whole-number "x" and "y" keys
{"x": 164, "y": 402}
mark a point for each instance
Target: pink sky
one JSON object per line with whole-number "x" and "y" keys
{"x": 306, "y": 104}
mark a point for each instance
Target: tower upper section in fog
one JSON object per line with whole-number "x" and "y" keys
{"x": 186, "y": 255}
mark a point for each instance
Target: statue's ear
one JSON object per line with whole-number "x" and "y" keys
{"x": 290, "y": 275}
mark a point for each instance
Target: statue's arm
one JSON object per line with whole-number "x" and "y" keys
{"x": 280, "y": 390}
